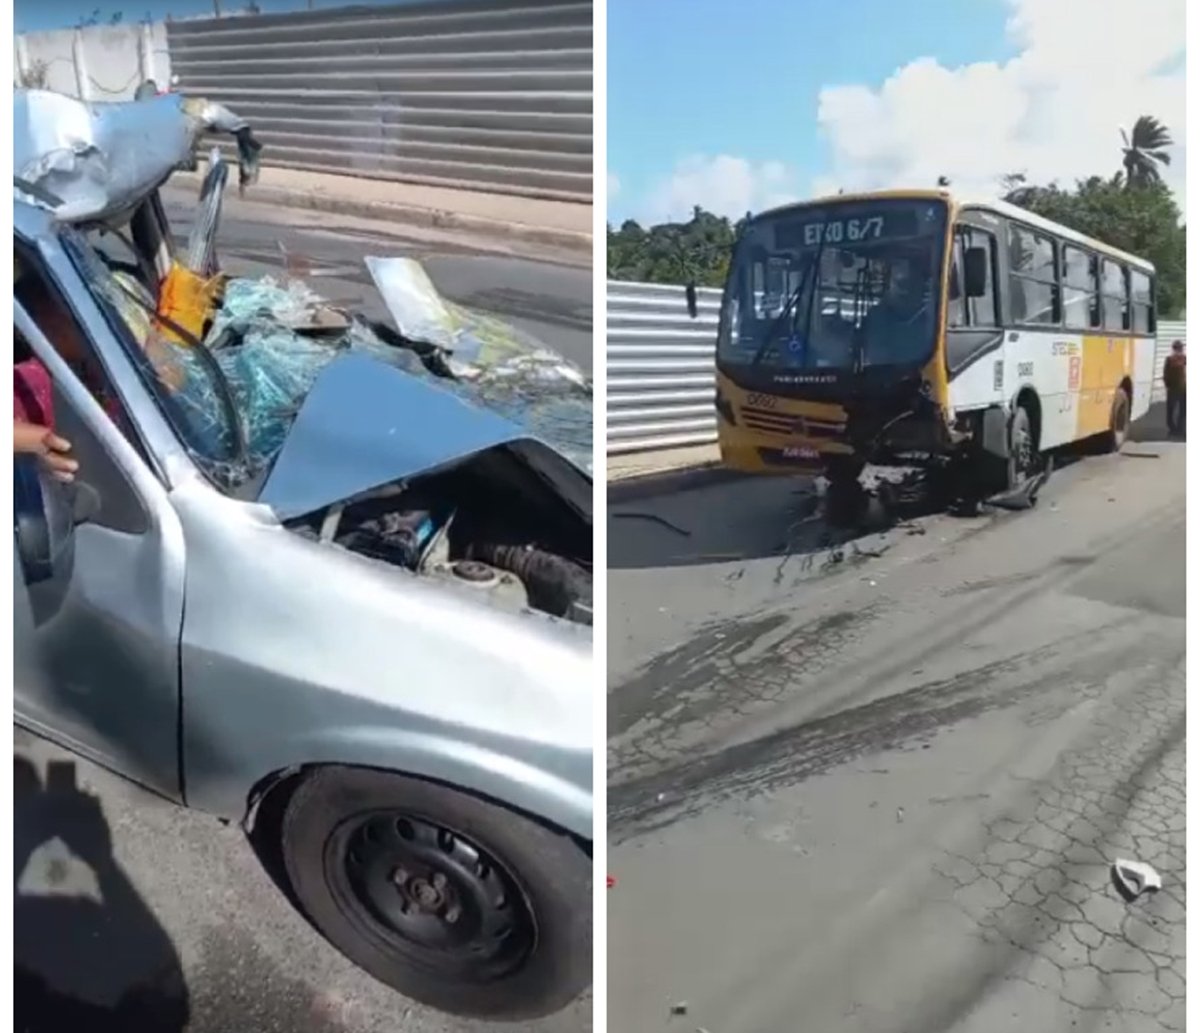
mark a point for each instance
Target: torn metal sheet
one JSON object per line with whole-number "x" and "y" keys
{"x": 98, "y": 160}
{"x": 506, "y": 370}
{"x": 479, "y": 346}
{"x": 1133, "y": 878}
{"x": 202, "y": 240}
{"x": 364, "y": 425}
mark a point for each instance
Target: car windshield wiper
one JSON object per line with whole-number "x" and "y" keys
{"x": 224, "y": 389}
{"x": 93, "y": 268}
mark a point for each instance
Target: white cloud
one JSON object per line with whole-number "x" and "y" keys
{"x": 614, "y": 186}
{"x": 1085, "y": 71}
{"x": 723, "y": 184}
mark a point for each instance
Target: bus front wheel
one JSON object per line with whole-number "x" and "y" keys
{"x": 1022, "y": 449}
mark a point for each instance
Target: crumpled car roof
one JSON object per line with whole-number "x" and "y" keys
{"x": 92, "y": 161}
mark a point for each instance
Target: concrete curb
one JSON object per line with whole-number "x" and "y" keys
{"x": 408, "y": 215}
{"x": 669, "y": 482}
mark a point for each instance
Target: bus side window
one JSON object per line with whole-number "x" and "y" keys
{"x": 956, "y": 304}
{"x": 1081, "y": 294}
{"x": 1033, "y": 277}
{"x": 963, "y": 311}
{"x": 1115, "y": 286}
{"x": 1143, "y": 303}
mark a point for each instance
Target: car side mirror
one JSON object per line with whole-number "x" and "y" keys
{"x": 975, "y": 270}
{"x": 47, "y": 511}
{"x": 693, "y": 306}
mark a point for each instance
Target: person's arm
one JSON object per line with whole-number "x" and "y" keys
{"x": 32, "y": 439}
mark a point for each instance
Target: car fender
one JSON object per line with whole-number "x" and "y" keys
{"x": 295, "y": 653}
{"x": 537, "y": 791}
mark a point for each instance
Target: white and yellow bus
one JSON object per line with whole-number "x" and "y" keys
{"x": 914, "y": 327}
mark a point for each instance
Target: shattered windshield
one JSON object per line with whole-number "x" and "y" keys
{"x": 234, "y": 393}
{"x": 840, "y": 286}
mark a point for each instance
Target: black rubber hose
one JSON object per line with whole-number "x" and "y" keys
{"x": 554, "y": 584}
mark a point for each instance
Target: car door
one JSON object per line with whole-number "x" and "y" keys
{"x": 98, "y": 640}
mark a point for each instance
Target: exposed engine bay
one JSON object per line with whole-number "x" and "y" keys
{"x": 490, "y": 524}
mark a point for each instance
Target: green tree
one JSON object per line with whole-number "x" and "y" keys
{"x": 1145, "y": 150}
{"x": 673, "y": 252}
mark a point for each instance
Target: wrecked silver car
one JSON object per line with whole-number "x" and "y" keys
{"x": 327, "y": 578}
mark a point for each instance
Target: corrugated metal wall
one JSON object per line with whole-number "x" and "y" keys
{"x": 489, "y": 94}
{"x": 660, "y": 367}
{"x": 1167, "y": 332}
{"x": 661, "y": 373}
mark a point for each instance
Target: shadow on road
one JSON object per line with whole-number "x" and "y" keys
{"x": 1152, "y": 427}
{"x": 88, "y": 952}
{"x": 727, "y": 521}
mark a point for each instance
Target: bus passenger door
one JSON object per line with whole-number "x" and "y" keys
{"x": 975, "y": 356}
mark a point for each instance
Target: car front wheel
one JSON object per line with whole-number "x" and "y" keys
{"x": 455, "y": 902}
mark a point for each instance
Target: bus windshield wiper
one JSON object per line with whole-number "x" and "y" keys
{"x": 792, "y": 301}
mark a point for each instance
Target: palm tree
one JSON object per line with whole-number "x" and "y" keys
{"x": 1145, "y": 150}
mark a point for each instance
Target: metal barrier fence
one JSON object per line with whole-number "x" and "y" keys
{"x": 660, "y": 367}
{"x": 1167, "y": 332}
{"x": 488, "y": 94}
{"x": 661, "y": 374}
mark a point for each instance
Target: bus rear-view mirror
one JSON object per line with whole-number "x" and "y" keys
{"x": 975, "y": 272}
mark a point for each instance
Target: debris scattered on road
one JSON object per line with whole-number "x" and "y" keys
{"x": 899, "y": 814}
{"x": 636, "y": 515}
{"x": 1133, "y": 878}
{"x": 680, "y": 1008}
{"x": 1026, "y": 496}
{"x": 1142, "y": 455}
{"x": 869, "y": 554}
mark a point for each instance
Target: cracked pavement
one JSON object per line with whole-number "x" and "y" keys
{"x": 881, "y": 793}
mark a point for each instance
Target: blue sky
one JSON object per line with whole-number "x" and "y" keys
{"x": 791, "y": 94}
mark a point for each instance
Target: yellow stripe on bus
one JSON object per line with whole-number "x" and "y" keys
{"x": 1106, "y": 361}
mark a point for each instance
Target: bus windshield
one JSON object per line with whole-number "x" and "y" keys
{"x": 838, "y": 287}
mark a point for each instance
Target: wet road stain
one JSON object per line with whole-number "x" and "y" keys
{"x": 728, "y": 669}
{"x": 1070, "y": 670}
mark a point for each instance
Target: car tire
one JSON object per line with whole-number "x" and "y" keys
{"x": 453, "y": 901}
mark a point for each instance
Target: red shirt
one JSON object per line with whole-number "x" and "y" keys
{"x": 33, "y": 394}
{"x": 1175, "y": 371}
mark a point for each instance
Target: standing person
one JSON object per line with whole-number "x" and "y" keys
{"x": 1175, "y": 381}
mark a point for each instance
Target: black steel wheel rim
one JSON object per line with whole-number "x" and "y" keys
{"x": 417, "y": 888}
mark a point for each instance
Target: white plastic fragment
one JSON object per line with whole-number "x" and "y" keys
{"x": 1133, "y": 878}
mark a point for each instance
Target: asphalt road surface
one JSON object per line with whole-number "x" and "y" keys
{"x": 877, "y": 787}
{"x": 122, "y": 895}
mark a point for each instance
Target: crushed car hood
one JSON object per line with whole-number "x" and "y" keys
{"x": 365, "y": 424}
